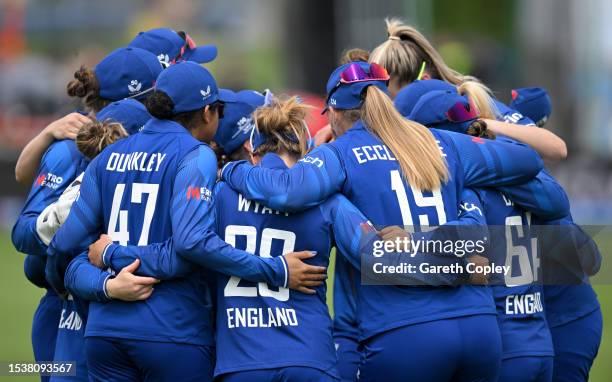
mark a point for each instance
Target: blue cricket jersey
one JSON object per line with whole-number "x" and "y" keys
{"x": 346, "y": 282}
{"x": 360, "y": 166}
{"x": 564, "y": 303}
{"x": 509, "y": 115}
{"x": 519, "y": 293}
{"x": 261, "y": 327}
{"x": 147, "y": 188}
{"x": 59, "y": 166}
{"x": 70, "y": 345}
{"x": 572, "y": 297}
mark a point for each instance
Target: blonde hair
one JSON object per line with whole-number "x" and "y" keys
{"x": 283, "y": 122}
{"x": 481, "y": 96}
{"x": 93, "y": 137}
{"x": 413, "y": 145}
{"x": 407, "y": 49}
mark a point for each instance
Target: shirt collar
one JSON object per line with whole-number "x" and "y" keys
{"x": 359, "y": 125}
{"x": 272, "y": 160}
{"x": 164, "y": 126}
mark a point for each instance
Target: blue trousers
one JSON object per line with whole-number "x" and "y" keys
{"x": 44, "y": 327}
{"x": 458, "y": 349}
{"x": 116, "y": 359}
{"x": 576, "y": 344}
{"x": 527, "y": 369}
{"x": 348, "y": 358}
{"x": 282, "y": 374}
{"x": 70, "y": 343}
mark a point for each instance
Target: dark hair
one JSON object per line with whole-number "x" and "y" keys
{"x": 161, "y": 106}
{"x": 478, "y": 128}
{"x": 85, "y": 86}
{"x": 93, "y": 137}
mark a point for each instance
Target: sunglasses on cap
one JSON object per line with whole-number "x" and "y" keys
{"x": 189, "y": 45}
{"x": 461, "y": 113}
{"x": 354, "y": 73}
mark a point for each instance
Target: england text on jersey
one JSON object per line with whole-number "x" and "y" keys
{"x": 261, "y": 317}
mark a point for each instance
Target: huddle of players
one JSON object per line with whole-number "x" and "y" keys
{"x": 138, "y": 328}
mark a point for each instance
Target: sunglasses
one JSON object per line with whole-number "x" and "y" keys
{"x": 355, "y": 73}
{"x": 461, "y": 113}
{"x": 189, "y": 45}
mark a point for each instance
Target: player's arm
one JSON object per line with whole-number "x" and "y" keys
{"x": 34, "y": 270}
{"x": 195, "y": 240}
{"x": 45, "y": 190}
{"x": 564, "y": 241}
{"x": 549, "y": 145}
{"x": 82, "y": 227}
{"x": 86, "y": 281}
{"x": 90, "y": 283}
{"x": 30, "y": 158}
{"x": 542, "y": 195}
{"x": 158, "y": 260}
{"x": 358, "y": 241}
{"x": 312, "y": 180}
{"x": 492, "y": 163}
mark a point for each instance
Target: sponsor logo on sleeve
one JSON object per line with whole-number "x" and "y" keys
{"x": 49, "y": 180}
{"x": 199, "y": 193}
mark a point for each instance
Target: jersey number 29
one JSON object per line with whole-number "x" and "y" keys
{"x": 267, "y": 235}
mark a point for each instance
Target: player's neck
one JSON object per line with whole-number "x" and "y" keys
{"x": 289, "y": 160}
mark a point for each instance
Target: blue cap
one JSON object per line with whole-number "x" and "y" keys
{"x": 130, "y": 113}
{"x": 409, "y": 95}
{"x": 533, "y": 103}
{"x": 127, "y": 72}
{"x": 190, "y": 86}
{"x": 237, "y": 122}
{"x": 346, "y": 96}
{"x": 431, "y": 110}
{"x": 166, "y": 44}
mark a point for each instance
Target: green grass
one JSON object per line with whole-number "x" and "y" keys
{"x": 19, "y": 299}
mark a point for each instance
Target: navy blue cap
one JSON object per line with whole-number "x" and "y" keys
{"x": 190, "y": 86}
{"x": 409, "y": 95}
{"x": 346, "y": 96}
{"x": 237, "y": 122}
{"x": 130, "y": 113}
{"x": 166, "y": 44}
{"x": 431, "y": 110}
{"x": 127, "y": 72}
{"x": 533, "y": 103}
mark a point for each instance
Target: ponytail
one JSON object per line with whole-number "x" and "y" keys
{"x": 93, "y": 137}
{"x": 479, "y": 128}
{"x": 405, "y": 51}
{"x": 480, "y": 95}
{"x": 85, "y": 86}
{"x": 283, "y": 123}
{"x": 415, "y": 148}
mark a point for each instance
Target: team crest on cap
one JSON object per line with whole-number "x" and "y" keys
{"x": 244, "y": 125}
{"x": 164, "y": 59}
{"x": 134, "y": 86}
{"x": 205, "y": 93}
